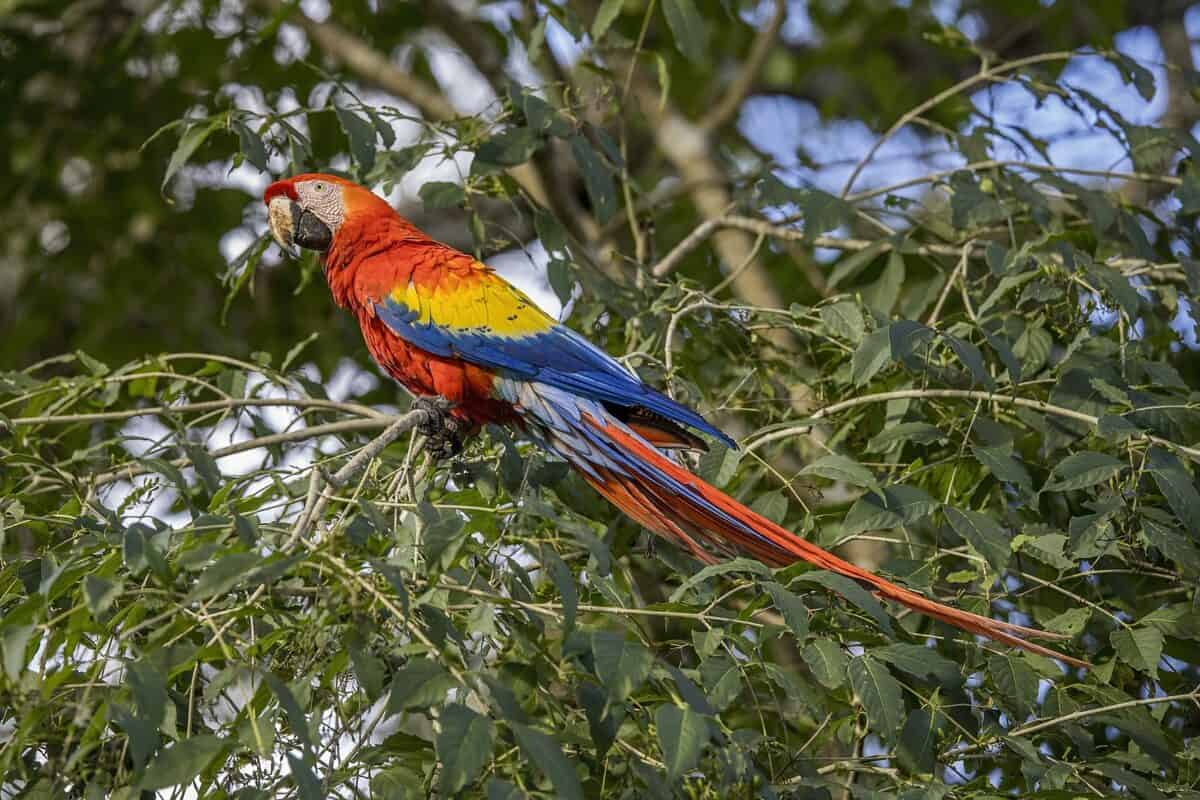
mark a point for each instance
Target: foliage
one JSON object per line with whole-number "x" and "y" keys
{"x": 216, "y": 576}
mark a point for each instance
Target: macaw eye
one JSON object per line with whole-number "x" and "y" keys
{"x": 318, "y": 187}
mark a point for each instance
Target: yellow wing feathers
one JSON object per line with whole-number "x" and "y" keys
{"x": 481, "y": 303}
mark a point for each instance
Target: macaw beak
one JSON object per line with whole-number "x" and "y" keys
{"x": 292, "y": 226}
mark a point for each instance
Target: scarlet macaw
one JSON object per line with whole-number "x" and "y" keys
{"x": 445, "y": 325}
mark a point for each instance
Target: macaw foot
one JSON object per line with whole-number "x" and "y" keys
{"x": 443, "y": 432}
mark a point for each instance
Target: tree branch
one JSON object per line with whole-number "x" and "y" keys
{"x": 210, "y": 405}
{"x": 960, "y": 394}
{"x": 728, "y": 105}
{"x": 669, "y": 262}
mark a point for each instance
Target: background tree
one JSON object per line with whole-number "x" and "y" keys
{"x": 931, "y": 262}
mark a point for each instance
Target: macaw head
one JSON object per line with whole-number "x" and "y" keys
{"x": 311, "y": 210}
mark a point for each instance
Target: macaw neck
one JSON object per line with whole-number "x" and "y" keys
{"x": 363, "y": 249}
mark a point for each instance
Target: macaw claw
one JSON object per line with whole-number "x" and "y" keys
{"x": 443, "y": 432}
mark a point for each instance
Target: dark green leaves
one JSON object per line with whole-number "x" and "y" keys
{"x": 852, "y": 592}
{"x": 984, "y": 534}
{"x": 1177, "y": 486}
{"x": 193, "y": 136}
{"x": 440, "y": 194}
{"x": 688, "y": 27}
{"x": 181, "y": 761}
{"x": 546, "y": 753}
{"x": 1081, "y": 470}
{"x": 1141, "y": 648}
{"x": 597, "y": 178}
{"x": 880, "y": 694}
{"x": 361, "y": 134}
{"x": 621, "y": 664}
{"x": 1017, "y": 682}
{"x": 682, "y": 734}
{"x": 464, "y": 746}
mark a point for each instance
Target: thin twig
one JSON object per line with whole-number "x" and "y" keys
{"x": 210, "y": 405}
{"x": 984, "y": 75}
{"x": 961, "y": 394}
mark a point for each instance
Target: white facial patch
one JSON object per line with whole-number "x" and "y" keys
{"x": 324, "y": 200}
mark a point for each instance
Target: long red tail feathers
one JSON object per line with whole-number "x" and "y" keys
{"x": 677, "y": 517}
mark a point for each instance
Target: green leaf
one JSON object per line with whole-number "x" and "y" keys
{"x": 1177, "y": 486}
{"x": 971, "y": 356}
{"x": 604, "y": 718}
{"x": 507, "y": 149}
{"x": 1000, "y": 462}
{"x": 420, "y": 683}
{"x": 891, "y": 435}
{"x": 368, "y": 670}
{"x": 1140, "y": 648}
{"x": 682, "y": 734}
{"x": 881, "y": 695}
{"x": 1070, "y": 622}
{"x": 464, "y": 746}
{"x": 795, "y": 613}
{"x": 361, "y": 134}
{"x": 252, "y": 147}
{"x": 597, "y": 178}
{"x": 984, "y": 534}
{"x": 870, "y": 356}
{"x": 772, "y": 505}
{"x": 1173, "y": 544}
{"x": 719, "y": 464}
{"x": 837, "y": 467}
{"x": 920, "y": 662}
{"x": 564, "y": 581}
{"x": 306, "y": 782}
{"x": 843, "y": 319}
{"x": 189, "y": 142}
{"x": 297, "y": 719}
{"x": 1017, "y": 682}
{"x": 889, "y": 507}
{"x": 1080, "y": 470}
{"x": 882, "y": 295}
{"x": 437, "y": 195}
{"x": 605, "y": 16}
{"x": 853, "y": 592}
{"x": 14, "y": 641}
{"x": 546, "y": 753}
{"x": 224, "y": 575}
{"x": 722, "y": 568}
{"x": 503, "y": 790}
{"x": 688, "y": 28}
{"x": 100, "y": 593}
{"x": 917, "y": 748}
{"x": 827, "y": 661}
{"x": 622, "y": 665}
{"x": 181, "y": 761}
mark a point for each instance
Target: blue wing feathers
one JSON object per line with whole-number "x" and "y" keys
{"x": 557, "y": 356}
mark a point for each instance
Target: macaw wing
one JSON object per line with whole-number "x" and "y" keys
{"x": 486, "y": 321}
